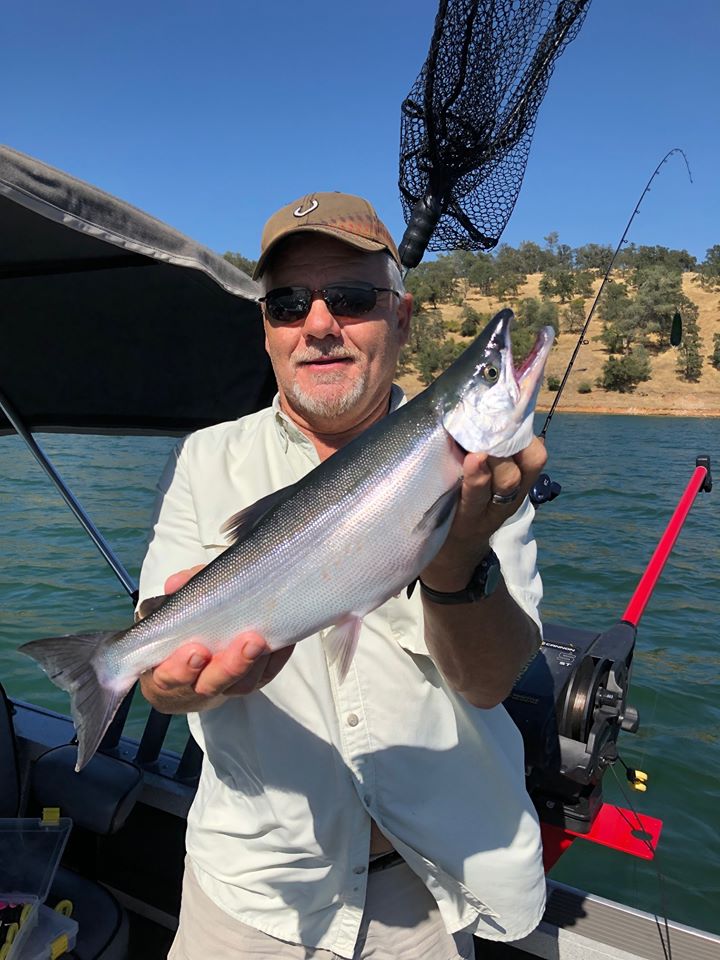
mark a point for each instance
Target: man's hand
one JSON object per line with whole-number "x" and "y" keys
{"x": 481, "y": 647}
{"x": 193, "y": 679}
{"x": 477, "y": 518}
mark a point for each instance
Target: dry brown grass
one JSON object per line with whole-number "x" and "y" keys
{"x": 664, "y": 394}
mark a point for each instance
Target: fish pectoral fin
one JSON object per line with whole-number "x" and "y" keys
{"x": 68, "y": 661}
{"x": 436, "y": 515}
{"x": 240, "y": 524}
{"x": 341, "y": 643}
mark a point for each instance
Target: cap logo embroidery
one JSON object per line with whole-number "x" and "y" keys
{"x": 299, "y": 212}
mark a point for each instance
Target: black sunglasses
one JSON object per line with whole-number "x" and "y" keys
{"x": 287, "y": 304}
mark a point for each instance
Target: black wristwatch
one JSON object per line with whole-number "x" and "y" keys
{"x": 482, "y": 583}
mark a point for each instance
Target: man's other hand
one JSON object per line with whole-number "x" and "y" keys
{"x": 477, "y": 517}
{"x": 193, "y": 679}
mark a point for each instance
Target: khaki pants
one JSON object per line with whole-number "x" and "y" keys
{"x": 401, "y": 922}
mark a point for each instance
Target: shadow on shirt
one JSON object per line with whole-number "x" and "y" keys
{"x": 414, "y": 793}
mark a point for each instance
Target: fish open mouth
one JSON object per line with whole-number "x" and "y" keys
{"x": 528, "y": 375}
{"x": 537, "y": 347}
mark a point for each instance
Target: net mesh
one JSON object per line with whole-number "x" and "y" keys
{"x": 469, "y": 118}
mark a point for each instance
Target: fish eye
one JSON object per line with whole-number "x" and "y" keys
{"x": 490, "y": 373}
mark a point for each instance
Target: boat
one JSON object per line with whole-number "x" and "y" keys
{"x": 108, "y": 291}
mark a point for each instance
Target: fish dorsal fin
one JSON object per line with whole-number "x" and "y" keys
{"x": 240, "y": 524}
{"x": 438, "y": 512}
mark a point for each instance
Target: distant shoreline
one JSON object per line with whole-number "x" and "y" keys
{"x": 412, "y": 386}
{"x": 628, "y": 411}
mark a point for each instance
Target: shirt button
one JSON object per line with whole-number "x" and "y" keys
{"x": 359, "y": 869}
{"x": 353, "y": 719}
{"x": 367, "y": 799}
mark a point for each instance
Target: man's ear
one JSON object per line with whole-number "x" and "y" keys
{"x": 404, "y": 318}
{"x": 265, "y": 328}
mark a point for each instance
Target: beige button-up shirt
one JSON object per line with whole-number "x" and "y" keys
{"x": 279, "y": 831}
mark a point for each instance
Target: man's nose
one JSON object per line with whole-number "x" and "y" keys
{"x": 320, "y": 322}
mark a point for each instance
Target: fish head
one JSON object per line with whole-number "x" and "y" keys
{"x": 488, "y": 404}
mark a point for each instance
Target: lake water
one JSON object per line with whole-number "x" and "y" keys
{"x": 621, "y": 478}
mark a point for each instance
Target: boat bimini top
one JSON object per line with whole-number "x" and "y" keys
{"x": 113, "y": 322}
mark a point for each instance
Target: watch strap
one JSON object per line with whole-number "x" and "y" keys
{"x": 482, "y": 583}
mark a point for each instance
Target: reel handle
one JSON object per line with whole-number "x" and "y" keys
{"x": 544, "y": 490}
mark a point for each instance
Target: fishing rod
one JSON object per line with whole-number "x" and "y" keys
{"x": 676, "y": 332}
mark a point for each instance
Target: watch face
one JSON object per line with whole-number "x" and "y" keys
{"x": 487, "y": 575}
{"x": 492, "y": 578}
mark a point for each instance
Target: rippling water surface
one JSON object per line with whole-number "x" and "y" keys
{"x": 621, "y": 477}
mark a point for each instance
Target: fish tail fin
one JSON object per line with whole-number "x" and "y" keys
{"x": 68, "y": 661}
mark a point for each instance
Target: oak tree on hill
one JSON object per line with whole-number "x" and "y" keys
{"x": 583, "y": 283}
{"x": 558, "y": 282}
{"x": 689, "y": 357}
{"x": 714, "y": 357}
{"x": 623, "y": 374}
{"x": 431, "y": 283}
{"x": 709, "y": 269}
{"x": 531, "y": 315}
{"x": 574, "y": 315}
{"x": 593, "y": 256}
{"x": 482, "y": 274}
{"x": 238, "y": 260}
{"x": 533, "y": 259}
{"x": 472, "y": 321}
{"x": 619, "y": 332}
{"x": 507, "y": 284}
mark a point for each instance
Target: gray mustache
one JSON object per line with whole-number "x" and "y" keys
{"x": 311, "y": 356}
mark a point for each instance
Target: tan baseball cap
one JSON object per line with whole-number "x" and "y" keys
{"x": 340, "y": 215}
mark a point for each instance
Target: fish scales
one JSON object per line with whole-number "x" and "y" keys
{"x": 336, "y": 553}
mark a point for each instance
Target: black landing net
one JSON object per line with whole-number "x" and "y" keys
{"x": 469, "y": 118}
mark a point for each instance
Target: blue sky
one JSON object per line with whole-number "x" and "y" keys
{"x": 210, "y": 116}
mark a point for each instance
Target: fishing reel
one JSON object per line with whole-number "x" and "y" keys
{"x": 570, "y": 705}
{"x": 544, "y": 490}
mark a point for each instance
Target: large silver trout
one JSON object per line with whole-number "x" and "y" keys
{"x": 327, "y": 550}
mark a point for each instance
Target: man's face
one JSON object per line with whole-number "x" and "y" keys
{"x": 334, "y": 372}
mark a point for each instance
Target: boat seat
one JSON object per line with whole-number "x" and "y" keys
{"x": 9, "y": 765}
{"x": 99, "y": 798}
{"x": 103, "y": 929}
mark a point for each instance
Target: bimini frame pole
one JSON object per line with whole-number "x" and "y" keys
{"x": 67, "y": 495}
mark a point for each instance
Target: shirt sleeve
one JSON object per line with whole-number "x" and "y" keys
{"x": 175, "y": 542}
{"x": 516, "y": 548}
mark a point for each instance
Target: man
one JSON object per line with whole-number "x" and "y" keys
{"x": 385, "y": 816}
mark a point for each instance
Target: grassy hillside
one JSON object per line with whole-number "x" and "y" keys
{"x": 664, "y": 394}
